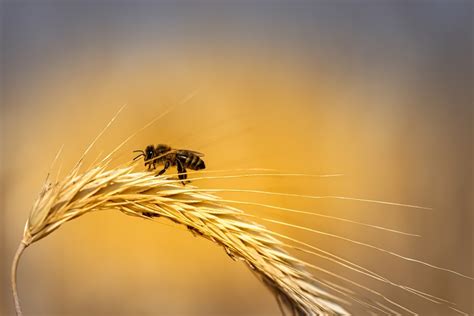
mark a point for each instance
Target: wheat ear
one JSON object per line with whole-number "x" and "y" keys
{"x": 144, "y": 195}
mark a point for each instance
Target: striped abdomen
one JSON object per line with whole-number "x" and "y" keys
{"x": 190, "y": 160}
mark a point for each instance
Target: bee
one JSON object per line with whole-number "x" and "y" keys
{"x": 167, "y": 156}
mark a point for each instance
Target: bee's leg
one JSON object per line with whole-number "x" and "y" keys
{"x": 182, "y": 171}
{"x": 191, "y": 229}
{"x": 151, "y": 165}
{"x": 150, "y": 214}
{"x": 194, "y": 231}
{"x": 167, "y": 165}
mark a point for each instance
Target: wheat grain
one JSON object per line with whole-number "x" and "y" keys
{"x": 143, "y": 195}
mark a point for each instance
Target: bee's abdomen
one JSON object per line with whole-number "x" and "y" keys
{"x": 200, "y": 164}
{"x": 193, "y": 162}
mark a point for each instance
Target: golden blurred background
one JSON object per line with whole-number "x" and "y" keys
{"x": 381, "y": 93}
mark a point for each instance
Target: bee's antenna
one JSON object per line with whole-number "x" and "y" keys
{"x": 142, "y": 153}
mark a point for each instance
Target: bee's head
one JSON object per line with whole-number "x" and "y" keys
{"x": 149, "y": 152}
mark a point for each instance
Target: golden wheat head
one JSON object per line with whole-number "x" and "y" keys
{"x": 144, "y": 195}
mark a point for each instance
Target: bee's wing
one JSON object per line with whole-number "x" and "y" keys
{"x": 197, "y": 153}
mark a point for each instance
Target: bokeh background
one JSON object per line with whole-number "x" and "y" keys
{"x": 381, "y": 92}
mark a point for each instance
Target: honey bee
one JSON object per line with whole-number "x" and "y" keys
{"x": 167, "y": 156}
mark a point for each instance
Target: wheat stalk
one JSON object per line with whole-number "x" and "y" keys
{"x": 144, "y": 195}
